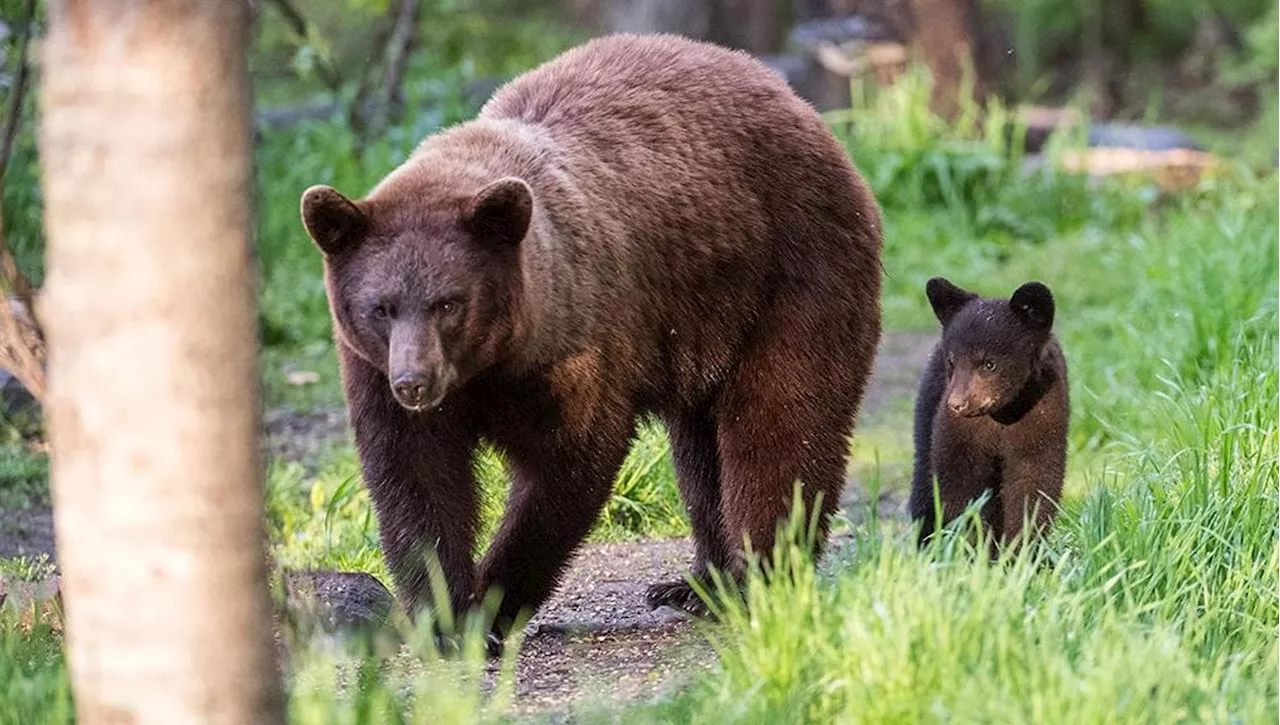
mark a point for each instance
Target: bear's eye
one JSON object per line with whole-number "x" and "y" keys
{"x": 381, "y": 311}
{"x": 988, "y": 365}
{"x": 448, "y": 307}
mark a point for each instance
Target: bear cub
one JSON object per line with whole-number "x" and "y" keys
{"x": 992, "y": 412}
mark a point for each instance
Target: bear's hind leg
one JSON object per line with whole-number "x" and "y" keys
{"x": 697, "y": 463}
{"x": 786, "y": 418}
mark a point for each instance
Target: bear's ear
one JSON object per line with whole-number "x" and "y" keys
{"x": 333, "y": 221}
{"x": 1033, "y": 303}
{"x": 500, "y": 212}
{"x": 946, "y": 298}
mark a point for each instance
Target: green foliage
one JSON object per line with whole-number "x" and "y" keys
{"x": 645, "y": 500}
{"x": 325, "y": 521}
{"x": 27, "y": 568}
{"x": 23, "y": 477}
{"x": 34, "y": 688}
{"x": 972, "y": 170}
{"x": 1046, "y": 31}
{"x": 1261, "y": 57}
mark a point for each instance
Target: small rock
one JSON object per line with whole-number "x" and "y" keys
{"x": 15, "y": 397}
{"x": 1141, "y": 138}
{"x": 1043, "y": 121}
{"x": 338, "y": 600}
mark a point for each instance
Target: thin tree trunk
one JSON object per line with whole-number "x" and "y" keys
{"x": 152, "y": 368}
{"x": 298, "y": 24}
{"x": 375, "y": 106}
{"x": 942, "y": 35}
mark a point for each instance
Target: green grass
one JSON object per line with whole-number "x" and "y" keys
{"x": 24, "y": 477}
{"x": 326, "y": 519}
{"x": 1155, "y": 599}
{"x": 34, "y": 686}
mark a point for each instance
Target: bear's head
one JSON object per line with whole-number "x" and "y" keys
{"x": 991, "y": 347}
{"x": 423, "y": 286}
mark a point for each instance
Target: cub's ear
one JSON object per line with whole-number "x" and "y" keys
{"x": 946, "y": 298}
{"x": 1033, "y": 303}
{"x": 500, "y": 212}
{"x": 333, "y": 221}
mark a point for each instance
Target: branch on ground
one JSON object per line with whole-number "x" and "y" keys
{"x": 22, "y": 350}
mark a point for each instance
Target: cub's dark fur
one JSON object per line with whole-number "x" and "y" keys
{"x": 992, "y": 411}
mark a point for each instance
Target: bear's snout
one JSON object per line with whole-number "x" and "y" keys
{"x": 411, "y": 389}
{"x": 419, "y": 391}
{"x": 966, "y": 407}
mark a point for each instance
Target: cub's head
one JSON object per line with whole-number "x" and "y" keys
{"x": 991, "y": 346}
{"x": 423, "y": 284}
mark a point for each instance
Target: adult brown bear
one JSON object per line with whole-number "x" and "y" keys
{"x": 645, "y": 224}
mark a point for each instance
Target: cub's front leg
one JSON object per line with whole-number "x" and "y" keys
{"x": 417, "y": 467}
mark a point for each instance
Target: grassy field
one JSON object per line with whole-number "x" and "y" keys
{"x": 1155, "y": 599}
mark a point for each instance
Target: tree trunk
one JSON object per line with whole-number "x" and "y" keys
{"x": 942, "y": 35}
{"x": 1109, "y": 27}
{"x": 151, "y": 405}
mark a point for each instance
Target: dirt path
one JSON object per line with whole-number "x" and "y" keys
{"x": 596, "y": 638}
{"x": 26, "y": 531}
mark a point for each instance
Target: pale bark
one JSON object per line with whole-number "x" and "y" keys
{"x": 151, "y": 407}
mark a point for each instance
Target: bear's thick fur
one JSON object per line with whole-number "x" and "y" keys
{"x": 992, "y": 413}
{"x": 645, "y": 224}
